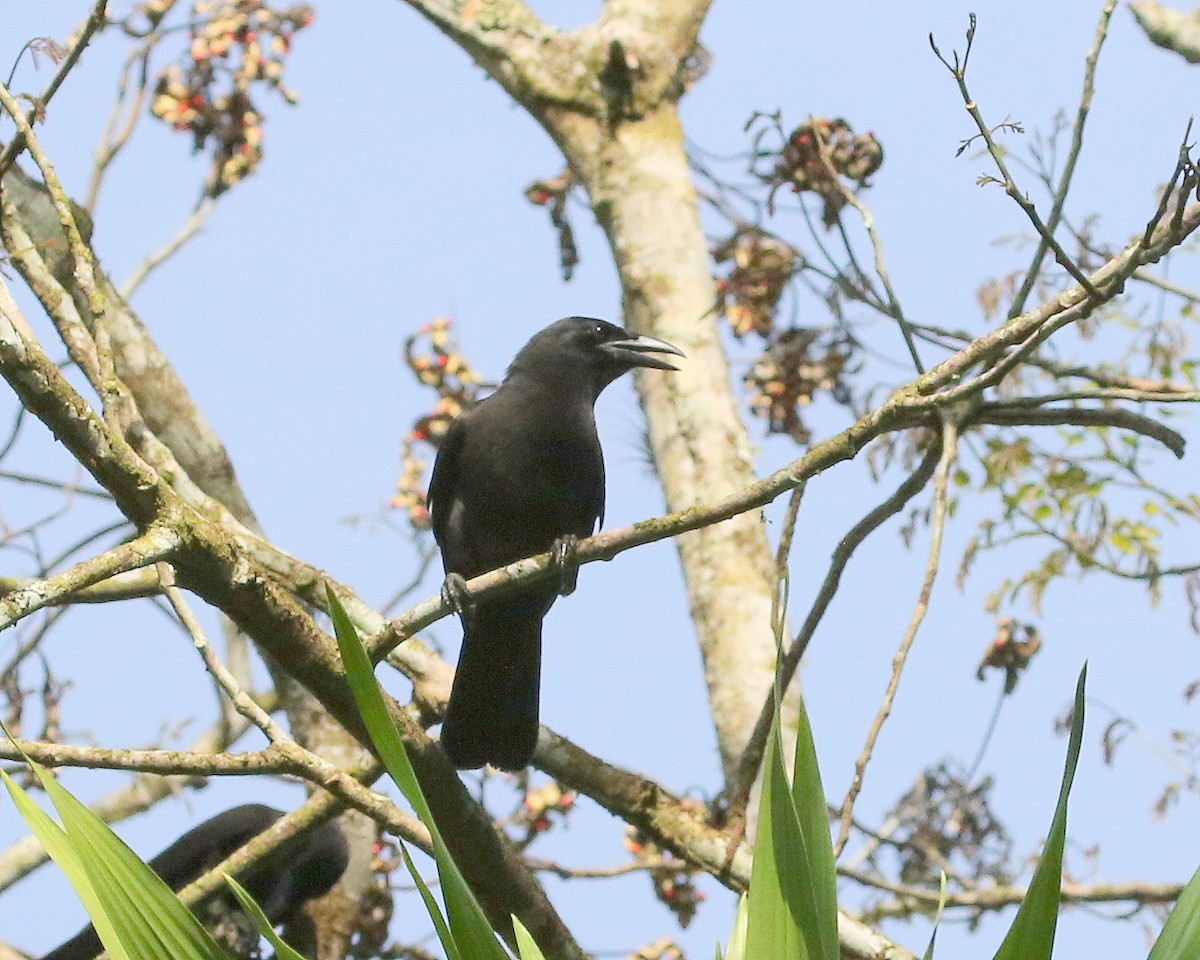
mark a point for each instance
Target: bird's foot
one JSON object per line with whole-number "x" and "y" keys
{"x": 455, "y": 595}
{"x": 562, "y": 562}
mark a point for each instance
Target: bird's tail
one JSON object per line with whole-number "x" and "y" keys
{"x": 492, "y": 716}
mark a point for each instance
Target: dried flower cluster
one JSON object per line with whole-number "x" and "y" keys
{"x": 552, "y": 194}
{"x": 801, "y": 162}
{"x": 762, "y": 266}
{"x": 945, "y": 820}
{"x": 434, "y": 358}
{"x": 1015, "y": 646}
{"x": 795, "y": 366}
{"x": 236, "y": 46}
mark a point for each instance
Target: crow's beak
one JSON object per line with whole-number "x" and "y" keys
{"x": 639, "y": 352}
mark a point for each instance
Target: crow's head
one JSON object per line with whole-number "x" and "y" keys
{"x": 589, "y": 352}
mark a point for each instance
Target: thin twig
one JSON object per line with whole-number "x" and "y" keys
{"x": 113, "y": 141}
{"x": 63, "y": 485}
{"x": 1064, "y": 184}
{"x": 195, "y": 223}
{"x": 987, "y": 736}
{"x": 959, "y": 72}
{"x": 96, "y": 19}
{"x": 894, "y": 309}
{"x": 155, "y": 544}
{"x": 997, "y": 898}
{"x": 1145, "y": 276}
{"x": 242, "y": 701}
{"x": 738, "y": 790}
{"x": 941, "y": 508}
{"x": 601, "y": 873}
{"x": 304, "y": 762}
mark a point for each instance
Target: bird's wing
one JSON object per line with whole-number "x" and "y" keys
{"x": 444, "y": 480}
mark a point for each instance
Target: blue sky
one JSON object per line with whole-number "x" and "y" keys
{"x": 394, "y": 193}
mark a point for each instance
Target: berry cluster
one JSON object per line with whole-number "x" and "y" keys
{"x": 762, "y": 266}
{"x": 540, "y": 805}
{"x": 153, "y": 10}
{"x": 434, "y": 358}
{"x": 800, "y": 163}
{"x": 236, "y": 45}
{"x": 674, "y": 881}
{"x": 798, "y": 363}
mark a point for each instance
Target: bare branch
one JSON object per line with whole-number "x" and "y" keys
{"x": 130, "y": 585}
{"x": 997, "y": 898}
{"x": 166, "y": 763}
{"x": 738, "y": 790}
{"x": 1009, "y": 414}
{"x": 97, "y": 19}
{"x": 1064, "y": 183}
{"x": 941, "y": 508}
{"x": 959, "y": 72}
{"x": 195, "y": 223}
{"x": 155, "y": 544}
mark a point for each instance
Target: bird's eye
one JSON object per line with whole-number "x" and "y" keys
{"x": 599, "y": 331}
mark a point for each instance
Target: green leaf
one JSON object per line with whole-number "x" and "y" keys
{"x": 1031, "y": 936}
{"x": 149, "y": 918}
{"x": 792, "y": 898}
{"x": 817, "y": 875}
{"x": 737, "y": 939}
{"x": 937, "y": 919}
{"x": 445, "y": 937}
{"x": 525, "y": 943}
{"x": 136, "y": 915}
{"x": 472, "y": 933}
{"x": 1180, "y": 937}
{"x": 54, "y": 840}
{"x": 772, "y": 930}
{"x": 261, "y": 923}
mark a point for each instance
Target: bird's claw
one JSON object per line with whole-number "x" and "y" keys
{"x": 562, "y": 562}
{"x": 455, "y": 595}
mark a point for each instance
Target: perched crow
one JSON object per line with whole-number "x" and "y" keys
{"x": 519, "y": 474}
{"x": 279, "y": 884}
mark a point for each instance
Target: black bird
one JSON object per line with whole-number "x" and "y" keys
{"x": 279, "y": 884}
{"x": 518, "y": 474}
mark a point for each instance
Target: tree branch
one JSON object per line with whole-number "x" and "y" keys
{"x": 738, "y": 790}
{"x": 1064, "y": 183}
{"x": 155, "y": 544}
{"x": 96, "y": 19}
{"x": 998, "y": 898}
{"x": 949, "y": 452}
{"x": 1023, "y": 414}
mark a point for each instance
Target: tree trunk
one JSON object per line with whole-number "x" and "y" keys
{"x": 640, "y": 185}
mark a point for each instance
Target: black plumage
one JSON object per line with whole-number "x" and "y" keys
{"x": 518, "y": 474}
{"x": 279, "y": 884}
